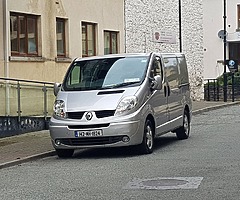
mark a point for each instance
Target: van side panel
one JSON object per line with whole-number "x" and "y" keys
{"x": 184, "y": 83}
{"x": 173, "y": 91}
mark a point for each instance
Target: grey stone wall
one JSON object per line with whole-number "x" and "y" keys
{"x": 142, "y": 17}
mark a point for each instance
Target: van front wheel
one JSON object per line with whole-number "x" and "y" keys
{"x": 183, "y": 132}
{"x": 146, "y": 147}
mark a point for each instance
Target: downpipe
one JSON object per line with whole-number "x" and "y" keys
{"x": 6, "y": 56}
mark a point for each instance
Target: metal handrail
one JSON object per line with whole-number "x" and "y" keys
{"x": 27, "y": 81}
{"x": 44, "y": 85}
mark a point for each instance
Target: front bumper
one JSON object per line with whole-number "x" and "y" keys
{"x": 114, "y": 134}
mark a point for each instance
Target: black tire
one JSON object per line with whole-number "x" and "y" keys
{"x": 146, "y": 147}
{"x": 184, "y": 131}
{"x": 64, "y": 153}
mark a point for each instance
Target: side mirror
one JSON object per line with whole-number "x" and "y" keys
{"x": 56, "y": 88}
{"x": 156, "y": 83}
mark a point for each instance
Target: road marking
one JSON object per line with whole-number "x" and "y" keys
{"x": 165, "y": 183}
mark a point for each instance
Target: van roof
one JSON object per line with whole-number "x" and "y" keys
{"x": 127, "y": 55}
{"x": 113, "y": 56}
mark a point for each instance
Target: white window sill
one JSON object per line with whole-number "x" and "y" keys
{"x": 67, "y": 60}
{"x": 37, "y": 59}
{"x": 26, "y": 59}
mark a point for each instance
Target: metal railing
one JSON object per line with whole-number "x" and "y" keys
{"x": 213, "y": 90}
{"x": 24, "y": 103}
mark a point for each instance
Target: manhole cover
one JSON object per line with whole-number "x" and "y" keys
{"x": 165, "y": 183}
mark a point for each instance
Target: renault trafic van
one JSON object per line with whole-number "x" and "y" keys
{"x": 121, "y": 100}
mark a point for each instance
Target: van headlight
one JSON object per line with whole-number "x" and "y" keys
{"x": 126, "y": 104}
{"x": 59, "y": 109}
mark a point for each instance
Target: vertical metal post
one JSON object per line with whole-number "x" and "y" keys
{"x": 19, "y": 101}
{"x": 233, "y": 88}
{"x": 208, "y": 86}
{"x": 214, "y": 90}
{"x": 45, "y": 101}
{"x": 180, "y": 26}
{"x": 224, "y": 52}
{"x": 217, "y": 90}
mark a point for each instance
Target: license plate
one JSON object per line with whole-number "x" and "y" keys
{"x": 90, "y": 133}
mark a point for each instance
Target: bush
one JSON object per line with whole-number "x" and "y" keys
{"x": 220, "y": 80}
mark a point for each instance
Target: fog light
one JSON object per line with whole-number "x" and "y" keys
{"x": 125, "y": 139}
{"x": 58, "y": 142}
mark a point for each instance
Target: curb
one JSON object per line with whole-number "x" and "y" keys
{"x": 27, "y": 159}
{"x": 200, "y": 111}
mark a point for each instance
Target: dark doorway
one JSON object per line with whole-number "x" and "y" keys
{"x": 234, "y": 51}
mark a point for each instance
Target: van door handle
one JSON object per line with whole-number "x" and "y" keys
{"x": 169, "y": 91}
{"x": 165, "y": 90}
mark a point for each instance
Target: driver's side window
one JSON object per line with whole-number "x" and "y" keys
{"x": 156, "y": 68}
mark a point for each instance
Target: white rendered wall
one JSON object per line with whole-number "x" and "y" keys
{"x": 213, "y": 23}
{"x": 145, "y": 16}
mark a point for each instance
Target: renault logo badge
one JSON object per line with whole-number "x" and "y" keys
{"x": 89, "y": 116}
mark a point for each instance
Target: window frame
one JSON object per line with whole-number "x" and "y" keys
{"x": 156, "y": 67}
{"x": 61, "y": 55}
{"x": 26, "y": 47}
{"x": 171, "y": 71}
{"x": 110, "y": 41}
{"x": 238, "y": 17}
{"x": 86, "y": 24}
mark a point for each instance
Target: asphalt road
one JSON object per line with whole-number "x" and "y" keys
{"x": 206, "y": 166}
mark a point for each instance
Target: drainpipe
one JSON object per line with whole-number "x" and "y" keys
{"x": 180, "y": 25}
{"x": 125, "y": 26}
{"x": 6, "y": 55}
{"x": 224, "y": 51}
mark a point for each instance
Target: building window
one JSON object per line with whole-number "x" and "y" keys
{"x": 60, "y": 31}
{"x": 238, "y": 16}
{"x": 110, "y": 42}
{"x": 23, "y": 32}
{"x": 88, "y": 39}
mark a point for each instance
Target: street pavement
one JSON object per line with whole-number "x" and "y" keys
{"x": 30, "y": 146}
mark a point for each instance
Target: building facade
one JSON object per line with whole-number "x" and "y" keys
{"x": 183, "y": 22}
{"x": 41, "y": 37}
{"x": 213, "y": 24}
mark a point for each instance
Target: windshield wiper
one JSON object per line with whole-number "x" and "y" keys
{"x": 120, "y": 85}
{"x": 83, "y": 88}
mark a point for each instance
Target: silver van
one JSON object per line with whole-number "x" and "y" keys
{"x": 121, "y": 100}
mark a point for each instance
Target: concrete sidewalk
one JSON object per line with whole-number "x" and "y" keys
{"x": 29, "y": 146}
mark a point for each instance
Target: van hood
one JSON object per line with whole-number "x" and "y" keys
{"x": 95, "y": 99}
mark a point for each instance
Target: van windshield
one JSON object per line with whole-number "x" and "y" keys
{"x": 105, "y": 73}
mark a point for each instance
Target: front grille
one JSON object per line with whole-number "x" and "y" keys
{"x": 99, "y": 114}
{"x": 104, "y": 113}
{"x": 88, "y": 126}
{"x": 91, "y": 141}
{"x": 75, "y": 115}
